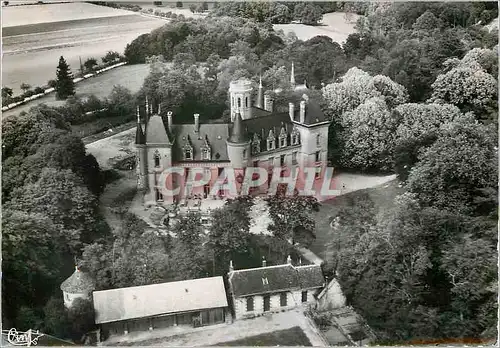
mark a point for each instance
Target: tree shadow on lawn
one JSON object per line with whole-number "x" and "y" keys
{"x": 289, "y": 337}
{"x": 381, "y": 197}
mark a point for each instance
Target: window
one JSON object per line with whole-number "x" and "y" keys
{"x": 304, "y": 296}
{"x": 271, "y": 161}
{"x": 188, "y": 154}
{"x": 205, "y": 153}
{"x": 271, "y": 144}
{"x": 318, "y": 156}
{"x": 318, "y": 173}
{"x": 239, "y": 102}
{"x": 295, "y": 137}
{"x": 206, "y": 190}
{"x": 156, "y": 158}
{"x": 255, "y": 164}
{"x": 282, "y": 160}
{"x": 282, "y": 142}
{"x": 244, "y": 153}
{"x": 67, "y": 297}
{"x": 318, "y": 140}
{"x": 159, "y": 196}
{"x": 294, "y": 157}
{"x": 283, "y": 299}
{"x": 250, "y": 304}
{"x": 246, "y": 102}
{"x": 256, "y": 147}
{"x": 267, "y": 303}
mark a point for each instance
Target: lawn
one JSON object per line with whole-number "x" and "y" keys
{"x": 333, "y": 25}
{"x": 382, "y": 196}
{"x": 129, "y": 76}
{"x": 289, "y": 337}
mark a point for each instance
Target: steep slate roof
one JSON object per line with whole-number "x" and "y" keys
{"x": 216, "y": 133}
{"x": 155, "y": 131}
{"x": 314, "y": 114}
{"x": 166, "y": 298}
{"x": 310, "y": 276}
{"x": 238, "y": 134}
{"x": 279, "y": 278}
{"x": 78, "y": 282}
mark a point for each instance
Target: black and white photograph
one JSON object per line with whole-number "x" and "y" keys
{"x": 249, "y": 173}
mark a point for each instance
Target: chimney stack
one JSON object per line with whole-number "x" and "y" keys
{"x": 196, "y": 123}
{"x": 169, "y": 121}
{"x": 302, "y": 111}
{"x": 291, "y": 108}
{"x": 289, "y": 260}
{"x": 264, "y": 262}
{"x": 231, "y": 268}
{"x": 268, "y": 103}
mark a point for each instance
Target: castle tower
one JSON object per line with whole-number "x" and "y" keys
{"x": 158, "y": 158}
{"x": 240, "y": 94}
{"x": 238, "y": 144}
{"x": 141, "y": 158}
{"x": 78, "y": 285}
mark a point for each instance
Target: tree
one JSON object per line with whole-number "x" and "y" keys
{"x": 308, "y": 13}
{"x": 65, "y": 86}
{"x": 369, "y": 136}
{"x": 453, "y": 170}
{"x": 110, "y": 56}
{"x": 90, "y": 64}
{"x": 427, "y": 21}
{"x": 81, "y": 315}
{"x": 6, "y": 95}
{"x": 25, "y": 87}
{"x": 121, "y": 101}
{"x": 188, "y": 254}
{"x": 56, "y": 318}
{"x": 178, "y": 4}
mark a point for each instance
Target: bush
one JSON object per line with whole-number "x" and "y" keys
{"x": 38, "y": 90}
{"x": 52, "y": 83}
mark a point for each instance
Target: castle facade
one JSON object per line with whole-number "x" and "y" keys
{"x": 256, "y": 136}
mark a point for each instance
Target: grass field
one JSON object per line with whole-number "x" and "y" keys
{"x": 333, "y": 25}
{"x": 35, "y": 36}
{"x": 289, "y": 337}
{"x": 382, "y": 196}
{"x": 129, "y": 76}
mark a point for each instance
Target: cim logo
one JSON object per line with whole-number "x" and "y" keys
{"x": 17, "y": 338}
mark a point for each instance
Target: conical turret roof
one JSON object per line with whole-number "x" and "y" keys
{"x": 237, "y": 134}
{"x": 78, "y": 282}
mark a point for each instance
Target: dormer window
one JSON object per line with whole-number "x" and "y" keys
{"x": 156, "y": 158}
{"x": 282, "y": 137}
{"x": 255, "y": 144}
{"x": 295, "y": 137}
{"x": 265, "y": 281}
{"x": 205, "y": 153}
{"x": 188, "y": 154}
{"x": 271, "y": 141}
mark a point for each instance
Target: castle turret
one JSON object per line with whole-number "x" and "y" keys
{"x": 78, "y": 285}
{"x": 240, "y": 94}
{"x": 260, "y": 95}
{"x": 238, "y": 144}
{"x": 141, "y": 157}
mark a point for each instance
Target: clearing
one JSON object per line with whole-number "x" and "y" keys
{"x": 334, "y": 25}
{"x": 382, "y": 195}
{"x": 35, "y": 36}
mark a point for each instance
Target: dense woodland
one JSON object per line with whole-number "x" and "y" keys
{"x": 413, "y": 92}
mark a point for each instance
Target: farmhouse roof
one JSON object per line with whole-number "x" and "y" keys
{"x": 273, "y": 279}
{"x": 78, "y": 282}
{"x": 166, "y": 298}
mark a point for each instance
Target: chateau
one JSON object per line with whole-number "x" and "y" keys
{"x": 256, "y": 136}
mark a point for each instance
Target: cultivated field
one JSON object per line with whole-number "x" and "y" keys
{"x": 35, "y": 36}
{"x": 334, "y": 25}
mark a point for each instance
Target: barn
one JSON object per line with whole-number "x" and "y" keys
{"x": 195, "y": 302}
